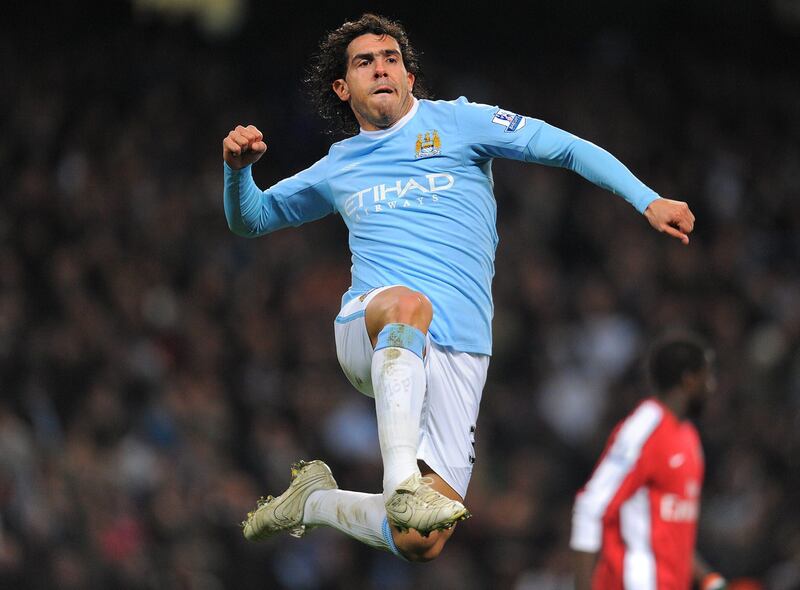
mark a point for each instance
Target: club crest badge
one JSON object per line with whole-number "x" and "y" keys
{"x": 428, "y": 144}
{"x": 511, "y": 121}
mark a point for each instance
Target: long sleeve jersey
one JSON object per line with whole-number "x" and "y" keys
{"x": 419, "y": 204}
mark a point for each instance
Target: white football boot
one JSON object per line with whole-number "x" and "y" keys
{"x": 285, "y": 513}
{"x": 416, "y": 505}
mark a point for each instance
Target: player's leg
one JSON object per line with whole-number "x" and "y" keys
{"x": 313, "y": 499}
{"x": 446, "y": 451}
{"x": 397, "y": 320}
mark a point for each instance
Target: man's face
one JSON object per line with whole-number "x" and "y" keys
{"x": 376, "y": 84}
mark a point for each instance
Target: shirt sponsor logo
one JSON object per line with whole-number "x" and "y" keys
{"x": 428, "y": 144}
{"x": 511, "y": 121}
{"x": 677, "y": 509}
{"x": 401, "y": 194}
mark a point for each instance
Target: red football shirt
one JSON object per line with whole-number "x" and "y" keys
{"x": 639, "y": 508}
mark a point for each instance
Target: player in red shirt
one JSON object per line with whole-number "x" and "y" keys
{"x": 634, "y": 522}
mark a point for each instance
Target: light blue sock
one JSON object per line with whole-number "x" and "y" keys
{"x": 387, "y": 536}
{"x": 401, "y": 336}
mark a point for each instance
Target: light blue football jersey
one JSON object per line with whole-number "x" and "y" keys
{"x": 418, "y": 201}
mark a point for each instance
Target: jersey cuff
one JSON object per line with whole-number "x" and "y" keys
{"x": 234, "y": 173}
{"x": 643, "y": 203}
{"x": 587, "y": 534}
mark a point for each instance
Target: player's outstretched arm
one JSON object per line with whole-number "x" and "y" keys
{"x": 251, "y": 212}
{"x": 671, "y": 217}
{"x": 244, "y": 202}
{"x": 243, "y": 146}
{"x": 554, "y": 147}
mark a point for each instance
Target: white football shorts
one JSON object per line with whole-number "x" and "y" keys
{"x": 455, "y": 383}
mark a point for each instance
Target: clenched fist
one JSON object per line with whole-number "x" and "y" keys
{"x": 671, "y": 217}
{"x": 243, "y": 146}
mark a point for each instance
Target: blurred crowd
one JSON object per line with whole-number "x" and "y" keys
{"x": 159, "y": 373}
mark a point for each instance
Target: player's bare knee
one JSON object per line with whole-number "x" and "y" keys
{"x": 411, "y": 307}
{"x": 398, "y": 305}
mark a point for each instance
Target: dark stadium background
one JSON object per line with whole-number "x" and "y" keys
{"x": 159, "y": 373}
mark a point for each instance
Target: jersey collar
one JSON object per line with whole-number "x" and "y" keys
{"x": 396, "y": 127}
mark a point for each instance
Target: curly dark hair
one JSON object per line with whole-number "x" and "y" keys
{"x": 330, "y": 63}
